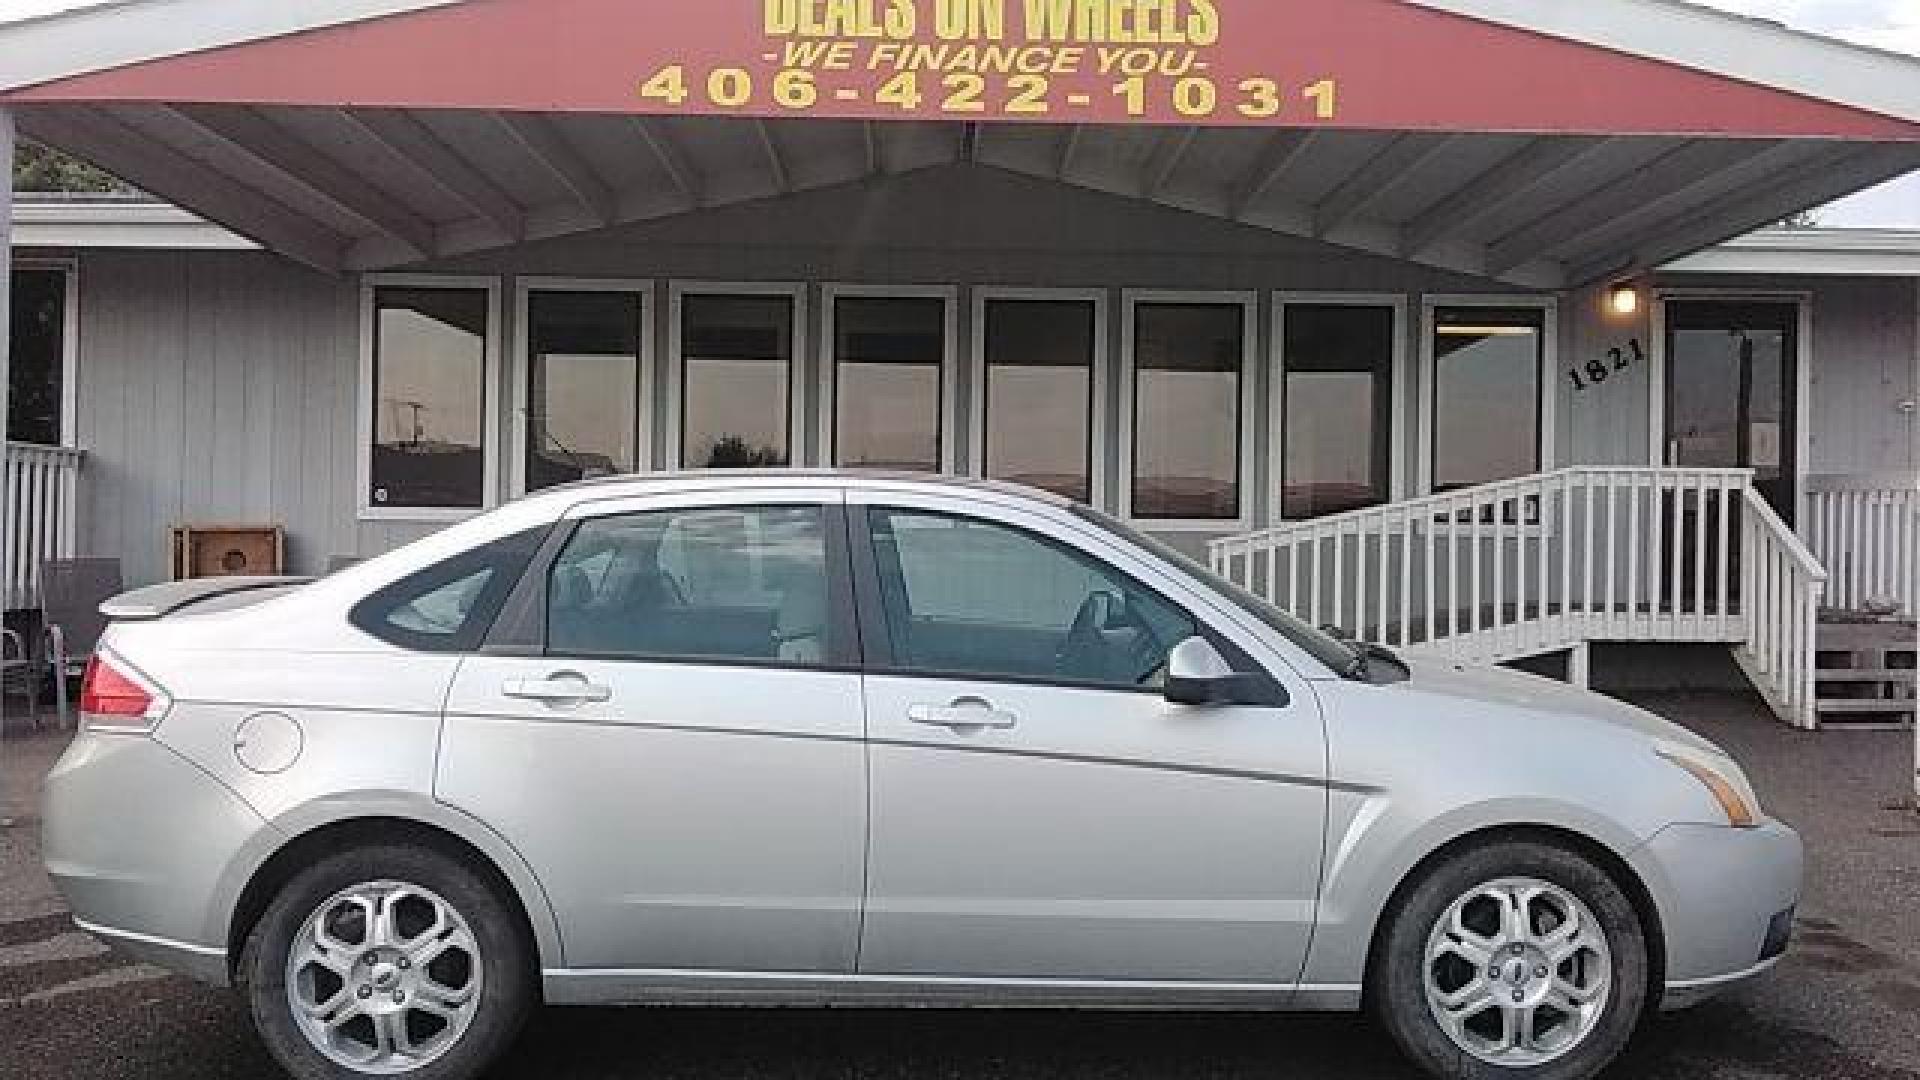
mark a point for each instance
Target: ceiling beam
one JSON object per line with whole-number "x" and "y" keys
{"x": 1069, "y": 148}
{"x": 1167, "y": 156}
{"x": 666, "y": 150}
{"x": 876, "y": 154}
{"x": 246, "y": 132}
{"x": 540, "y": 138}
{"x": 1284, "y": 150}
{"x": 1848, "y": 167}
{"x": 1678, "y": 169}
{"x": 1386, "y": 170}
{"x": 776, "y": 161}
{"x": 155, "y": 167}
{"x": 1534, "y": 164}
{"x": 410, "y": 143}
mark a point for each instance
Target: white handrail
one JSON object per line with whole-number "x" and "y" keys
{"x": 1550, "y": 562}
{"x": 41, "y": 493}
{"x": 1865, "y": 529}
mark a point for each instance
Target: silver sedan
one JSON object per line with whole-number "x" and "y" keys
{"x": 822, "y": 738}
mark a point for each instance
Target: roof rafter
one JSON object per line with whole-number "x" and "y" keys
{"x": 541, "y": 139}
{"x": 1531, "y": 166}
{"x": 666, "y": 150}
{"x": 1395, "y": 163}
{"x": 410, "y": 143}
{"x": 247, "y": 132}
{"x": 1166, "y": 159}
{"x": 1282, "y": 152}
{"x": 776, "y": 160}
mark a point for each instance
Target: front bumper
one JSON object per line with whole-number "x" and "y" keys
{"x": 138, "y": 840}
{"x": 1726, "y": 901}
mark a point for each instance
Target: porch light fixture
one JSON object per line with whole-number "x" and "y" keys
{"x": 1623, "y": 299}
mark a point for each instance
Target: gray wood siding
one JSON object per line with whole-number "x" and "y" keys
{"x": 222, "y": 387}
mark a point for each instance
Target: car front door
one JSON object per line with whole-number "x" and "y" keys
{"x": 667, "y": 724}
{"x": 1040, "y": 811}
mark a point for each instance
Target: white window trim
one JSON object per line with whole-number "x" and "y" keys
{"x": 69, "y": 343}
{"x": 489, "y": 401}
{"x": 676, "y": 360}
{"x": 1249, "y": 304}
{"x": 520, "y": 367}
{"x": 1548, "y": 387}
{"x": 1657, "y": 450}
{"x": 1400, "y": 383}
{"x": 1097, "y": 422}
{"x": 827, "y": 450}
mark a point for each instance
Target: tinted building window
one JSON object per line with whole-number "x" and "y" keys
{"x": 737, "y": 381}
{"x": 583, "y": 369}
{"x": 888, "y": 354}
{"x": 37, "y": 368}
{"x": 1486, "y": 396}
{"x": 429, "y": 398}
{"x": 1039, "y": 370}
{"x": 1339, "y": 408}
{"x": 1187, "y": 361}
{"x": 736, "y": 584}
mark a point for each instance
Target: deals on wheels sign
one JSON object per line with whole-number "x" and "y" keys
{"x": 1010, "y": 59}
{"x": 1379, "y": 64}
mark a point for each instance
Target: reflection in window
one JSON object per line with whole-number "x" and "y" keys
{"x": 39, "y": 336}
{"x": 888, "y": 353}
{"x": 583, "y": 368}
{"x": 1339, "y": 409}
{"x": 741, "y": 584}
{"x": 429, "y": 398}
{"x": 1039, "y": 369}
{"x": 1186, "y": 421}
{"x": 737, "y": 353}
{"x": 1486, "y": 398}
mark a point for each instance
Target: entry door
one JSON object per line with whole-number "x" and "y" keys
{"x": 1040, "y": 811}
{"x": 1732, "y": 391}
{"x": 678, "y": 754}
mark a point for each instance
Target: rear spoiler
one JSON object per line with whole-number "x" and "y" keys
{"x": 160, "y": 601}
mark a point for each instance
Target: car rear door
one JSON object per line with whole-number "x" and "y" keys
{"x": 1040, "y": 811}
{"x": 667, "y": 724}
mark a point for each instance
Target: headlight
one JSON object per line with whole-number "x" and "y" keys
{"x": 1722, "y": 778}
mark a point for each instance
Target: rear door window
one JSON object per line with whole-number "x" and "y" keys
{"x": 448, "y": 606}
{"x": 734, "y": 584}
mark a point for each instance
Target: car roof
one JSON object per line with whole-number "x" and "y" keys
{"x": 868, "y": 479}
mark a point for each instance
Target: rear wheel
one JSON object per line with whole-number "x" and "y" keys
{"x": 1513, "y": 960}
{"x": 384, "y": 961}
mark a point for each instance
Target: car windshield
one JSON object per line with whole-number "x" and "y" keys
{"x": 1337, "y": 655}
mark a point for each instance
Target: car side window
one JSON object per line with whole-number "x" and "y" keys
{"x": 964, "y": 596}
{"x": 448, "y": 606}
{"x": 730, "y": 584}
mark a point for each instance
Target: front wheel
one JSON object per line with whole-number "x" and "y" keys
{"x": 386, "y": 961}
{"x": 1513, "y": 960}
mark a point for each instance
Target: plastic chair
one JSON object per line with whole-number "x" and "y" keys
{"x": 71, "y": 592}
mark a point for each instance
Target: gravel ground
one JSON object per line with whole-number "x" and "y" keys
{"x": 1845, "y": 1005}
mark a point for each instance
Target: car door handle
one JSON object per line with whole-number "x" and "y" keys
{"x": 565, "y": 688}
{"x": 966, "y": 714}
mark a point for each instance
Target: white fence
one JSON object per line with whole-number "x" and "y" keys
{"x": 41, "y": 492}
{"x": 1550, "y": 562}
{"x": 1865, "y": 529}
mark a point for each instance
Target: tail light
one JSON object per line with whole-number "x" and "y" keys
{"x": 115, "y": 697}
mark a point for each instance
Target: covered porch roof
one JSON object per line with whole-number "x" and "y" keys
{"x": 1547, "y": 149}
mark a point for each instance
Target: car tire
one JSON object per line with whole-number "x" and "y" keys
{"x": 358, "y": 921}
{"x": 1567, "y": 950}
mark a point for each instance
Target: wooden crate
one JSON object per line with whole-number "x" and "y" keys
{"x": 1865, "y": 673}
{"x": 201, "y": 551}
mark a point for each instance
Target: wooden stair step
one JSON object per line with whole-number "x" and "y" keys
{"x": 1867, "y": 705}
{"x": 1868, "y": 675}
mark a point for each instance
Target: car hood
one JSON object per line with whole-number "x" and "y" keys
{"x": 1535, "y": 693}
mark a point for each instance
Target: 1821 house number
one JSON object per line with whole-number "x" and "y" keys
{"x": 1598, "y": 371}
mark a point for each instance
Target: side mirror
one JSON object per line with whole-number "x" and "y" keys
{"x": 1199, "y": 676}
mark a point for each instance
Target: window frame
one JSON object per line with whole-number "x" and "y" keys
{"x": 364, "y": 507}
{"x": 69, "y": 269}
{"x": 1399, "y": 382}
{"x": 676, "y": 404}
{"x": 827, "y": 450}
{"x": 1131, "y": 300}
{"x": 1547, "y": 387}
{"x": 876, "y": 625}
{"x": 520, "y": 370}
{"x": 1097, "y": 403}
